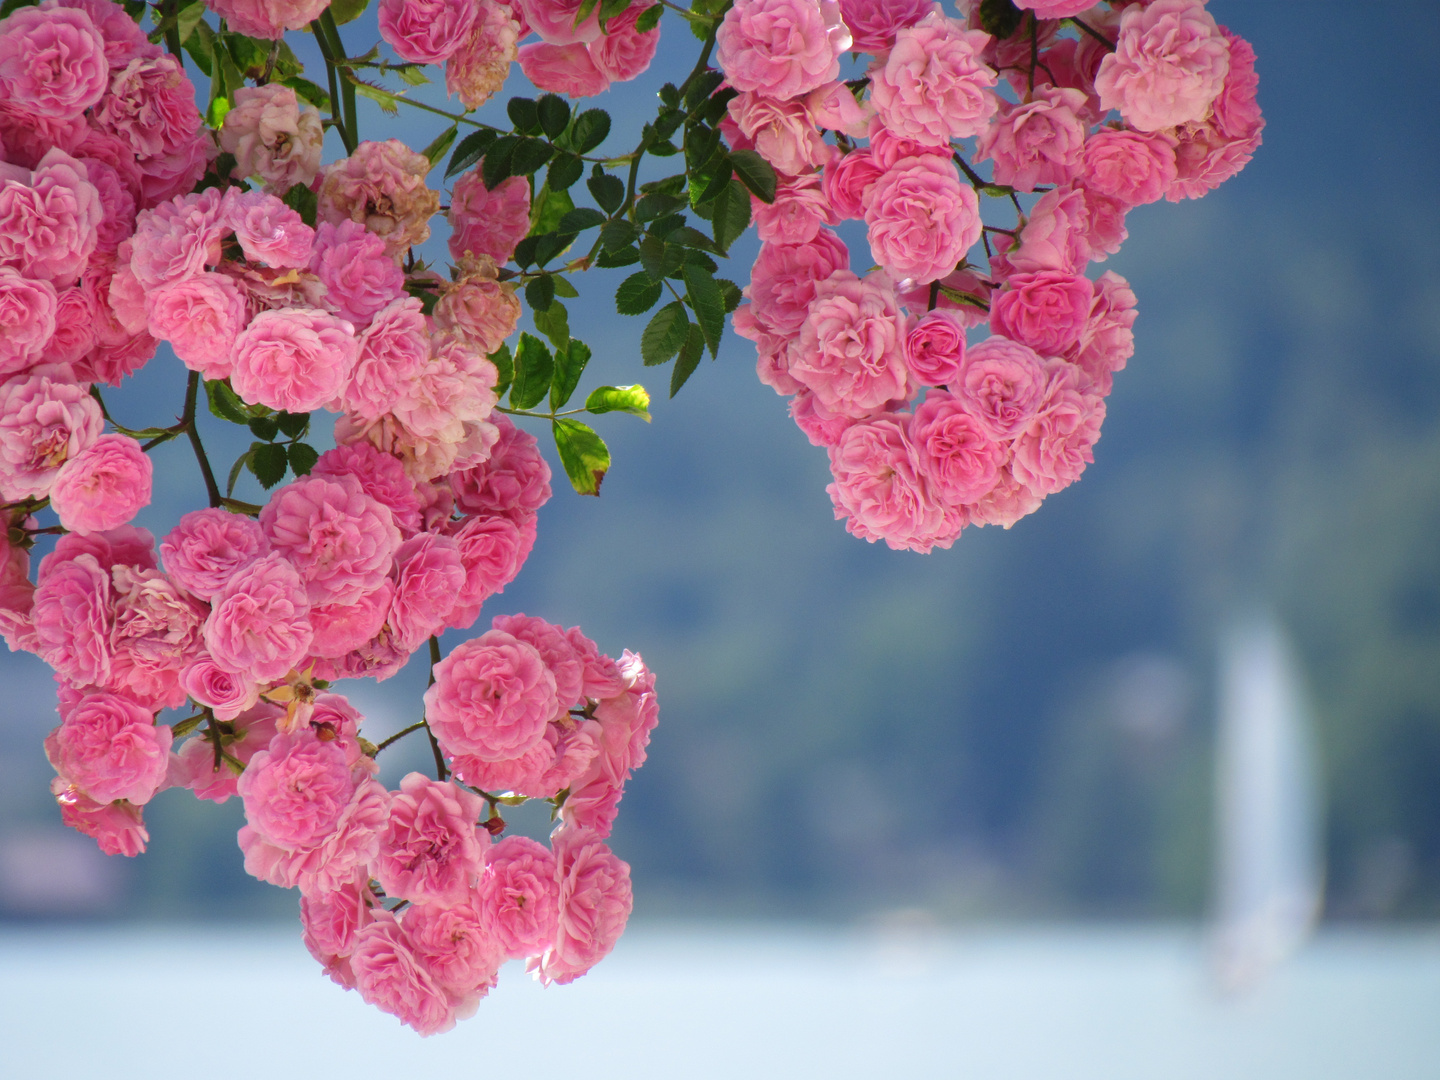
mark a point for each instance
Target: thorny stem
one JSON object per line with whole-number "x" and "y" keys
{"x": 687, "y": 14}
{"x": 400, "y": 735}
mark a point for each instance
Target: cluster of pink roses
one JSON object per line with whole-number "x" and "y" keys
{"x": 1013, "y": 418}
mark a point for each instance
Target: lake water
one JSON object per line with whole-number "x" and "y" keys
{"x": 734, "y": 1001}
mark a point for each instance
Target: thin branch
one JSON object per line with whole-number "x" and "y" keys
{"x": 400, "y": 735}
{"x": 192, "y": 391}
{"x": 1088, "y": 29}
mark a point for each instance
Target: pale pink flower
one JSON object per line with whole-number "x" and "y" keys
{"x": 340, "y": 540}
{"x": 781, "y": 48}
{"x": 1001, "y": 384}
{"x": 27, "y": 320}
{"x": 360, "y": 278}
{"x": 429, "y": 576}
{"x": 49, "y": 218}
{"x": 110, "y": 748}
{"x": 847, "y": 181}
{"x": 554, "y": 21}
{"x": 880, "y": 491}
{"x": 296, "y": 790}
{"x": 562, "y": 69}
{"x": 493, "y": 549}
{"x": 921, "y": 219}
{"x": 492, "y": 697}
{"x": 208, "y": 547}
{"x": 426, "y": 31}
{"x": 102, "y": 486}
{"x": 874, "y": 23}
{"x": 52, "y": 62}
{"x": 933, "y": 86}
{"x": 887, "y": 146}
{"x": 519, "y": 896}
{"x": 335, "y": 859}
{"x": 393, "y": 350}
{"x": 1107, "y": 340}
{"x": 382, "y": 186}
{"x": 73, "y": 615}
{"x": 430, "y": 850}
{"x": 380, "y": 476}
{"x": 595, "y": 900}
{"x": 44, "y": 422}
{"x": 331, "y": 921}
{"x": 626, "y": 720}
{"x": 833, "y": 107}
{"x": 1053, "y": 451}
{"x": 1046, "y": 310}
{"x": 821, "y": 426}
{"x": 259, "y": 626}
{"x": 623, "y": 53}
{"x": 799, "y": 210}
{"x": 851, "y": 346}
{"x": 1168, "y": 66}
{"x": 454, "y": 947}
{"x": 482, "y": 310}
{"x": 554, "y": 648}
{"x": 117, "y": 827}
{"x": 267, "y": 18}
{"x": 782, "y": 131}
{"x": 295, "y": 359}
{"x": 935, "y": 348}
{"x": 179, "y": 238}
{"x": 200, "y": 316}
{"x": 155, "y": 635}
{"x": 955, "y": 452}
{"x": 1038, "y": 141}
{"x": 1054, "y": 236}
{"x": 592, "y": 805}
{"x": 269, "y": 232}
{"x": 124, "y": 40}
{"x": 273, "y": 135}
{"x": 784, "y": 278}
{"x": 391, "y": 977}
{"x": 514, "y": 480}
{"x": 151, "y": 107}
{"x": 477, "y": 69}
{"x": 1131, "y": 166}
{"x": 488, "y": 222}
{"x": 127, "y": 546}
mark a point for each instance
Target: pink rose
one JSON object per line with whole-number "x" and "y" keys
{"x": 295, "y": 359}
{"x": 49, "y": 218}
{"x": 1168, "y": 66}
{"x": 821, "y": 426}
{"x": 595, "y": 902}
{"x": 1037, "y": 142}
{"x": 429, "y": 577}
{"x": 360, "y": 278}
{"x": 273, "y": 135}
{"x": 1107, "y": 341}
{"x": 335, "y": 859}
{"x": 514, "y": 480}
{"x": 179, "y": 238}
{"x": 781, "y": 48}
{"x": 103, "y": 486}
{"x": 554, "y": 21}
{"x": 382, "y": 186}
{"x": 1053, "y": 451}
{"x": 391, "y": 977}
{"x": 340, "y": 540}
{"x": 554, "y": 648}
{"x": 76, "y": 313}
{"x": 267, "y": 18}
{"x": 798, "y": 212}
{"x": 426, "y": 31}
{"x": 519, "y": 896}
{"x": 250, "y": 731}
{"x": 880, "y": 492}
{"x": 223, "y": 691}
{"x": 492, "y": 697}
{"x": 1045, "y": 310}
{"x": 1001, "y": 385}
{"x": 477, "y": 69}
{"x": 935, "y": 348}
{"x": 874, "y": 23}
{"x": 1215, "y": 149}
{"x": 116, "y": 826}
{"x": 151, "y": 107}
{"x": 259, "y": 626}
{"x": 1131, "y": 166}
{"x": 110, "y": 748}
{"x": 380, "y": 476}
{"x": 201, "y": 316}
{"x": 623, "y": 53}
{"x": 1054, "y": 236}
{"x": 73, "y": 616}
{"x": 785, "y": 276}
{"x": 27, "y": 320}
{"x": 851, "y": 346}
{"x": 493, "y": 549}
{"x": 269, "y": 232}
{"x": 955, "y": 452}
{"x": 344, "y": 628}
{"x": 921, "y": 219}
{"x": 1055, "y": 9}
{"x": 562, "y": 69}
{"x": 156, "y": 633}
{"x": 847, "y": 181}
{"x": 44, "y": 422}
{"x": 488, "y": 222}
{"x": 332, "y": 920}
{"x": 481, "y": 310}
{"x": 626, "y": 720}
{"x": 208, "y": 548}
{"x": 933, "y": 87}
{"x": 455, "y": 949}
{"x": 592, "y": 805}
{"x": 887, "y": 147}
{"x": 52, "y": 62}
{"x": 431, "y": 851}
{"x": 782, "y": 131}
{"x": 296, "y": 791}
{"x": 393, "y": 350}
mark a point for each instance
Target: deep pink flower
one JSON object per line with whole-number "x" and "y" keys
{"x": 1131, "y": 166}
{"x": 179, "y": 238}
{"x": 296, "y": 790}
{"x": 455, "y": 949}
{"x": 781, "y": 48}
{"x": 798, "y": 212}
{"x": 268, "y": 231}
{"x": 1046, "y": 310}
{"x": 626, "y": 720}
{"x": 785, "y": 276}
{"x": 151, "y": 107}
{"x": 430, "y": 850}
{"x": 554, "y": 648}
{"x": 344, "y": 628}
{"x": 426, "y": 31}
{"x": 156, "y": 634}
{"x": 519, "y": 896}
{"x": 874, "y": 23}
{"x": 933, "y": 86}
{"x": 76, "y": 313}
{"x": 921, "y": 219}
{"x": 430, "y": 575}
{"x": 360, "y": 278}
{"x": 117, "y": 827}
{"x": 295, "y": 359}
{"x": 259, "y": 626}
{"x": 200, "y": 316}
{"x": 493, "y": 548}
{"x": 73, "y": 616}
{"x": 208, "y": 547}
{"x": 935, "y": 348}
{"x": 1215, "y": 149}
{"x": 331, "y": 920}
{"x": 492, "y": 697}
{"x": 1036, "y": 142}
{"x": 514, "y": 480}
{"x": 340, "y": 540}
{"x": 267, "y": 18}
{"x": 380, "y": 476}
{"x": 52, "y": 62}
{"x": 44, "y": 422}
{"x": 621, "y": 52}
{"x": 1053, "y": 451}
{"x": 27, "y": 320}
{"x": 335, "y": 859}
{"x": 103, "y": 486}
{"x": 110, "y": 748}
{"x": 1107, "y": 340}
{"x": 1055, "y": 9}
{"x": 595, "y": 902}
{"x": 847, "y": 181}
{"x": 955, "y": 452}
{"x": 1168, "y": 65}
{"x": 554, "y": 21}
{"x": 782, "y": 131}
{"x": 393, "y": 350}
{"x": 49, "y": 218}
{"x": 562, "y": 69}
{"x": 488, "y": 222}
{"x": 1001, "y": 385}
{"x": 226, "y": 693}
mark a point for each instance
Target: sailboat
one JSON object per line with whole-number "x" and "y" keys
{"x": 1269, "y": 872}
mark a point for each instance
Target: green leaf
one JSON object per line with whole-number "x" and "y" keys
{"x": 534, "y": 366}
{"x": 658, "y": 204}
{"x": 302, "y": 200}
{"x": 583, "y": 12}
{"x": 731, "y": 294}
{"x": 564, "y": 170}
{"x": 732, "y": 214}
{"x": 268, "y": 462}
{"x": 224, "y": 402}
{"x": 551, "y": 245}
{"x": 659, "y": 258}
{"x": 755, "y": 173}
{"x": 618, "y": 234}
{"x": 700, "y": 145}
{"x": 579, "y": 220}
{"x": 549, "y": 208}
{"x": 412, "y": 74}
{"x": 626, "y": 256}
{"x": 469, "y": 150}
{"x": 389, "y": 102}
{"x": 292, "y": 424}
{"x": 495, "y": 167}
{"x": 649, "y": 19}
{"x": 554, "y": 323}
{"x": 705, "y": 85}
{"x": 346, "y": 10}
{"x": 611, "y": 8}
{"x": 201, "y": 47}
{"x": 670, "y": 95}
{"x": 540, "y": 293}
{"x": 265, "y": 427}
{"x": 570, "y": 363}
{"x": 529, "y": 155}
{"x": 553, "y": 115}
{"x": 306, "y": 90}
{"x": 709, "y": 304}
{"x": 583, "y": 453}
{"x": 505, "y": 365}
{"x": 685, "y": 236}
{"x": 235, "y": 470}
{"x": 637, "y": 294}
{"x": 436, "y": 150}
{"x": 590, "y": 129}
{"x": 1000, "y": 18}
{"x": 524, "y": 114}
{"x": 607, "y": 190}
{"x": 634, "y": 400}
{"x": 665, "y": 334}
{"x": 689, "y": 359}
{"x": 303, "y": 457}
{"x": 564, "y": 288}
{"x": 188, "y": 18}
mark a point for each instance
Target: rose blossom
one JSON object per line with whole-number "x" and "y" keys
{"x": 1037, "y": 142}
{"x": 426, "y": 31}
{"x": 850, "y": 350}
{"x": 110, "y": 748}
{"x": 562, "y": 69}
{"x": 1054, "y": 236}
{"x": 954, "y": 451}
{"x": 880, "y": 492}
{"x": 785, "y": 276}
{"x": 921, "y": 219}
{"x": 382, "y": 186}
{"x": 390, "y": 976}
{"x": 76, "y": 313}
{"x": 207, "y": 549}
{"x": 103, "y": 486}
{"x": 477, "y": 69}
{"x": 935, "y": 348}
{"x": 431, "y": 851}
{"x": 1215, "y": 149}
{"x": 223, "y": 691}
{"x": 492, "y": 549}
{"x": 200, "y": 317}
{"x": 848, "y": 180}
{"x": 269, "y": 232}
{"x": 393, "y": 350}
{"x": 343, "y": 628}
{"x": 594, "y": 904}
{"x": 1131, "y": 166}
{"x": 480, "y": 309}
{"x": 294, "y": 359}
{"x": 331, "y": 921}
{"x": 116, "y": 826}
{"x": 273, "y": 135}
{"x": 360, "y": 278}
{"x": 554, "y": 648}
{"x": 1045, "y": 310}
{"x": 151, "y": 107}
{"x": 933, "y": 87}
{"x": 514, "y": 480}
{"x": 44, "y": 422}
{"x": 1168, "y": 65}
{"x": 340, "y": 540}
{"x": 73, "y": 615}
{"x": 259, "y": 626}
{"x": 380, "y": 476}
{"x": 267, "y": 18}
{"x": 429, "y": 577}
{"x": 554, "y": 21}
{"x": 519, "y": 896}
{"x": 49, "y": 218}
{"x": 27, "y": 320}
{"x": 1055, "y": 9}
{"x": 178, "y": 238}
{"x": 1107, "y": 340}
{"x": 296, "y": 790}
{"x": 874, "y": 23}
{"x": 782, "y": 131}
{"x": 492, "y": 697}
{"x": 156, "y": 632}
{"x": 335, "y": 858}
{"x": 52, "y": 62}
{"x": 1053, "y": 451}
{"x": 626, "y": 719}
{"x": 455, "y": 949}
{"x": 798, "y": 212}
{"x": 781, "y": 48}
{"x": 821, "y": 426}
{"x": 1001, "y": 385}
{"x": 488, "y": 222}
{"x": 623, "y": 53}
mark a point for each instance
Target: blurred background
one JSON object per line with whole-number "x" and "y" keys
{"x": 1021, "y": 729}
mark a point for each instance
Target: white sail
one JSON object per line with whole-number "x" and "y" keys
{"x": 1269, "y": 865}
